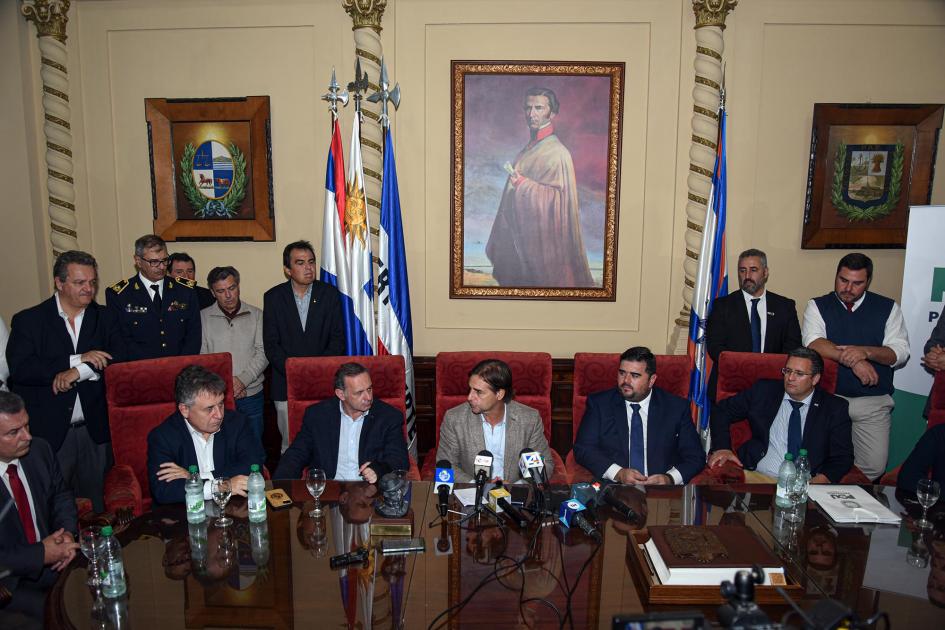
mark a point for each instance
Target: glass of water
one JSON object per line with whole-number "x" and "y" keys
{"x": 795, "y": 491}
{"x": 221, "y": 491}
{"x": 927, "y": 492}
{"x": 315, "y": 482}
{"x": 90, "y": 542}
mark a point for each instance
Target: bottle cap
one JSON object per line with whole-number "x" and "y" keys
{"x": 789, "y": 457}
{"x": 802, "y": 452}
{"x": 254, "y": 468}
{"x": 192, "y": 469}
{"x": 107, "y": 530}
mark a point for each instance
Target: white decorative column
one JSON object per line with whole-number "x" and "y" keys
{"x": 50, "y": 18}
{"x": 710, "y": 22}
{"x": 366, "y": 16}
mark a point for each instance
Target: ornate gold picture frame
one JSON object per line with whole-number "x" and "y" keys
{"x": 535, "y": 179}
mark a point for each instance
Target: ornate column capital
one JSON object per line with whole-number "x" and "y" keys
{"x": 712, "y": 12}
{"x": 365, "y": 13}
{"x": 50, "y": 17}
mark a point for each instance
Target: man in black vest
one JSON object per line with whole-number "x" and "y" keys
{"x": 864, "y": 332}
{"x": 752, "y": 319}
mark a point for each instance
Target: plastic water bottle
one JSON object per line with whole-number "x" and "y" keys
{"x": 786, "y": 475}
{"x": 256, "y": 494}
{"x": 113, "y": 569}
{"x": 803, "y": 469}
{"x": 193, "y": 497}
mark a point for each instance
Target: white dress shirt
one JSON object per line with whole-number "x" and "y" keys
{"x": 778, "y": 435}
{"x": 147, "y": 286}
{"x": 762, "y": 312}
{"x": 204, "y": 449}
{"x": 494, "y": 437}
{"x": 895, "y": 335}
{"x": 611, "y": 473}
{"x": 26, "y": 486}
{"x": 349, "y": 442}
{"x": 75, "y": 360}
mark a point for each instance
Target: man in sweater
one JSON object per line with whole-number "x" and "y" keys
{"x": 865, "y": 333}
{"x": 231, "y": 325}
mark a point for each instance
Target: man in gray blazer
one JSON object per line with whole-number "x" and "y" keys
{"x": 491, "y": 420}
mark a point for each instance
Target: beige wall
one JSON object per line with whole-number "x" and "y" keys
{"x": 781, "y": 58}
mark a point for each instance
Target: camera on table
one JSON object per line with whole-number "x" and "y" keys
{"x": 741, "y": 611}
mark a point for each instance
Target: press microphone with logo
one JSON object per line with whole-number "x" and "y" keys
{"x": 483, "y": 472}
{"x": 528, "y": 463}
{"x": 499, "y": 502}
{"x": 570, "y": 514}
{"x": 443, "y": 484}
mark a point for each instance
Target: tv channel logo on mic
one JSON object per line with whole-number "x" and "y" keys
{"x": 568, "y": 509}
{"x": 444, "y": 475}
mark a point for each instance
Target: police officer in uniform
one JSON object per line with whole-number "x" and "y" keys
{"x": 159, "y": 315}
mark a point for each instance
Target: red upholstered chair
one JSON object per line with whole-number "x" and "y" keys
{"x": 936, "y": 416}
{"x": 531, "y": 380}
{"x": 739, "y": 370}
{"x": 312, "y": 379}
{"x": 140, "y": 395}
{"x": 595, "y": 372}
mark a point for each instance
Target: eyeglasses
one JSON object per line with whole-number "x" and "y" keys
{"x": 788, "y": 372}
{"x": 157, "y": 262}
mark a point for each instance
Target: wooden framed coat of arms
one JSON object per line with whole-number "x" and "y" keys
{"x": 211, "y": 168}
{"x": 868, "y": 164}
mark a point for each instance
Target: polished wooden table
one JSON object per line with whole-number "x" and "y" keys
{"x": 276, "y": 574}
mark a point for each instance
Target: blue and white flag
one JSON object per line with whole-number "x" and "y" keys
{"x": 394, "y": 328}
{"x": 359, "y": 327}
{"x": 333, "y": 266}
{"x": 711, "y": 283}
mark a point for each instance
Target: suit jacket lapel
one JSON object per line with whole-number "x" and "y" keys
{"x": 621, "y": 424}
{"x": 37, "y": 480}
{"x": 8, "y": 510}
{"x": 89, "y": 323}
{"x": 654, "y": 458}
{"x": 293, "y": 310}
{"x": 58, "y": 325}
{"x": 812, "y": 415}
{"x": 332, "y": 434}
{"x": 312, "y": 307}
{"x": 367, "y": 426}
{"x": 476, "y": 437}
{"x": 514, "y": 442}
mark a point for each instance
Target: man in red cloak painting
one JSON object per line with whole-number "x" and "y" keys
{"x": 536, "y": 237}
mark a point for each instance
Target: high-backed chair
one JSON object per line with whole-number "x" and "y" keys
{"x": 531, "y": 380}
{"x": 739, "y": 370}
{"x": 936, "y": 416}
{"x": 312, "y": 379}
{"x": 597, "y": 371}
{"x": 140, "y": 395}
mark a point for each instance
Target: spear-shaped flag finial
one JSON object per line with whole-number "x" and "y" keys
{"x": 385, "y": 95}
{"x": 335, "y": 94}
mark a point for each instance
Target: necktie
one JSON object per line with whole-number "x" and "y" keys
{"x": 755, "y": 326}
{"x": 156, "y": 301}
{"x": 794, "y": 428}
{"x": 849, "y": 306}
{"x": 636, "y": 439}
{"x": 22, "y": 504}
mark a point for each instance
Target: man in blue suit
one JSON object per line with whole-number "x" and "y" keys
{"x": 37, "y": 515}
{"x": 637, "y": 434}
{"x": 220, "y": 442}
{"x": 351, "y": 436}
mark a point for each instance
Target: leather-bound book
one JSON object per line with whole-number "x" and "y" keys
{"x": 701, "y": 555}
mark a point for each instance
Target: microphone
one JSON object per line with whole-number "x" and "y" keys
{"x": 529, "y": 463}
{"x": 512, "y": 512}
{"x": 483, "y": 467}
{"x": 570, "y": 514}
{"x": 617, "y": 505}
{"x": 444, "y": 484}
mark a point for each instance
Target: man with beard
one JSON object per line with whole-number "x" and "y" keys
{"x": 865, "y": 333}
{"x": 536, "y": 237}
{"x": 636, "y": 433}
{"x": 752, "y": 319}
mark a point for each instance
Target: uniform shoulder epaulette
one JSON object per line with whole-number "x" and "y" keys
{"x": 186, "y": 282}
{"x": 119, "y": 286}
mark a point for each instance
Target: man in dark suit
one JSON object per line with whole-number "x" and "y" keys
{"x": 37, "y": 514}
{"x": 58, "y": 351}
{"x": 220, "y": 442}
{"x": 181, "y": 266}
{"x": 353, "y": 437}
{"x": 159, "y": 315}
{"x": 927, "y": 455}
{"x": 752, "y": 319}
{"x": 636, "y": 433}
{"x": 785, "y": 417}
{"x": 301, "y": 318}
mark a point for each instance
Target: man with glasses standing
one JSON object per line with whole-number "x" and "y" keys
{"x": 159, "y": 315}
{"x": 786, "y": 416}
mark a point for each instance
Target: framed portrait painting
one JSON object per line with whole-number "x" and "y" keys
{"x": 535, "y": 179}
{"x": 211, "y": 168}
{"x": 868, "y": 163}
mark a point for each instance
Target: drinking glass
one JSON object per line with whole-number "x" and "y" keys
{"x": 315, "y": 482}
{"x": 90, "y": 542}
{"x": 221, "y": 490}
{"x": 927, "y": 492}
{"x": 795, "y": 492}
